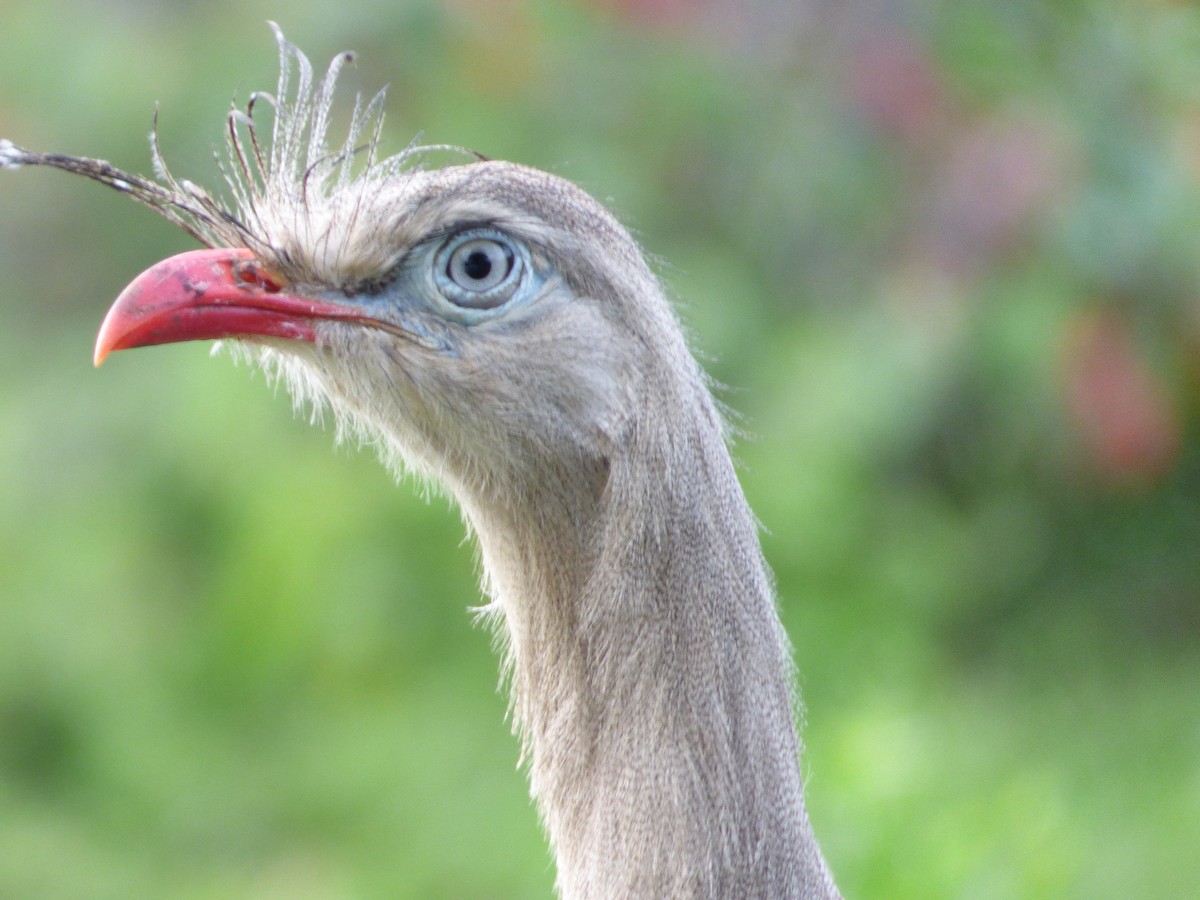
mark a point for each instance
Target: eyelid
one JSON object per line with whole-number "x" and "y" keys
{"x": 425, "y": 245}
{"x": 453, "y": 229}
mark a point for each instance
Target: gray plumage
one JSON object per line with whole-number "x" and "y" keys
{"x": 650, "y": 678}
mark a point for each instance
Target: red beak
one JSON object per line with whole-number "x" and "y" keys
{"x": 208, "y": 294}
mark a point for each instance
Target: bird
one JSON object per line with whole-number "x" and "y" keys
{"x": 494, "y": 329}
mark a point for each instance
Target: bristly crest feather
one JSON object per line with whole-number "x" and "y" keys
{"x": 304, "y": 209}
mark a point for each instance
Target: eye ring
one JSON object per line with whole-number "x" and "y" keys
{"x": 479, "y": 269}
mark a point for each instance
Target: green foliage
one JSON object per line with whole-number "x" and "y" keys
{"x": 946, "y": 265}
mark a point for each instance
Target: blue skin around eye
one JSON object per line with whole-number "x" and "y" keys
{"x": 413, "y": 299}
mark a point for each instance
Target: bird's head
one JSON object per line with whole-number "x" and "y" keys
{"x": 486, "y": 319}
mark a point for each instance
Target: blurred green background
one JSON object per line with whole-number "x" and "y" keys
{"x": 943, "y": 255}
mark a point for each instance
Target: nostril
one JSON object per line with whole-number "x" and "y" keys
{"x": 250, "y": 274}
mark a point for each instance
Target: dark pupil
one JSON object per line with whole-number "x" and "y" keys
{"x": 478, "y": 266}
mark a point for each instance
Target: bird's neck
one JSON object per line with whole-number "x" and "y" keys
{"x": 650, "y": 678}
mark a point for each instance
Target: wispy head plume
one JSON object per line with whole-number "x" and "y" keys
{"x": 285, "y": 192}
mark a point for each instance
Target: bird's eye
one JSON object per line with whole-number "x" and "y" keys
{"x": 479, "y": 265}
{"x": 479, "y": 269}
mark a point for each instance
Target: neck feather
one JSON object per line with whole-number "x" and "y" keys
{"x": 650, "y": 676}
